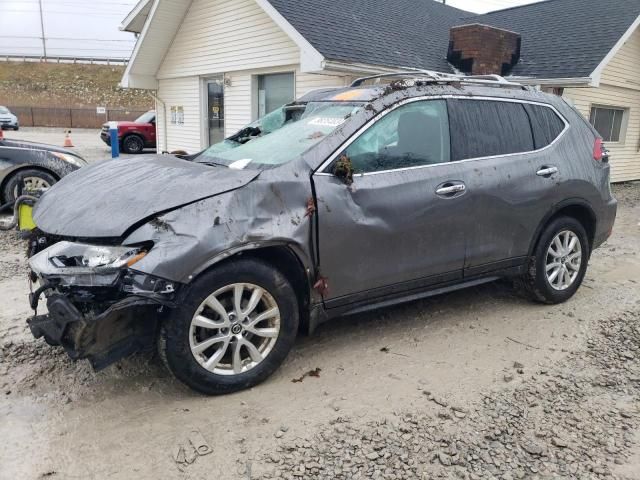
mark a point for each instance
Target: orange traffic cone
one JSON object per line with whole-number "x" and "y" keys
{"x": 67, "y": 139}
{"x": 1, "y": 134}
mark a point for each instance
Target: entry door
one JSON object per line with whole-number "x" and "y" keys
{"x": 401, "y": 224}
{"x": 215, "y": 110}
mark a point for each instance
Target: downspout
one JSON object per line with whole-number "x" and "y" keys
{"x": 164, "y": 120}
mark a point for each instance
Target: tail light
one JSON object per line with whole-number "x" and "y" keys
{"x": 600, "y": 153}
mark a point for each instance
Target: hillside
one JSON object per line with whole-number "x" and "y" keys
{"x": 67, "y": 85}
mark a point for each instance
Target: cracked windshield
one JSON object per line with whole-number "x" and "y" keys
{"x": 280, "y": 136}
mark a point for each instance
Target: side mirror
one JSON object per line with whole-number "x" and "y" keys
{"x": 343, "y": 169}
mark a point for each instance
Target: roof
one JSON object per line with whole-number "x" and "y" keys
{"x": 561, "y": 39}
{"x": 394, "y": 33}
{"x": 564, "y": 38}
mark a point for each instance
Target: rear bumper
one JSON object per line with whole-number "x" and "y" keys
{"x": 606, "y": 220}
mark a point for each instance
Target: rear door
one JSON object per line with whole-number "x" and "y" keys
{"x": 399, "y": 226}
{"x": 512, "y": 184}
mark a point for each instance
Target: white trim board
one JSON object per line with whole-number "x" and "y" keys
{"x": 597, "y": 73}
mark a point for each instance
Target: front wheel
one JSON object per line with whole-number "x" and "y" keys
{"x": 234, "y": 329}
{"x": 559, "y": 263}
{"x": 132, "y": 144}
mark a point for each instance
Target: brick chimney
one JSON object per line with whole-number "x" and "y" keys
{"x": 483, "y": 50}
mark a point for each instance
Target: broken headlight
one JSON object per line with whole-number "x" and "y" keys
{"x": 82, "y": 264}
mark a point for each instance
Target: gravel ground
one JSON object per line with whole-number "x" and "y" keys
{"x": 477, "y": 384}
{"x": 576, "y": 419}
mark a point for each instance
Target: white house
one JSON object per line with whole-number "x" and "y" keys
{"x": 215, "y": 65}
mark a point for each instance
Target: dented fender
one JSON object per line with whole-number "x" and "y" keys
{"x": 265, "y": 213}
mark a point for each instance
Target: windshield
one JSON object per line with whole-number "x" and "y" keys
{"x": 280, "y": 136}
{"x": 4, "y": 110}
{"x": 148, "y": 117}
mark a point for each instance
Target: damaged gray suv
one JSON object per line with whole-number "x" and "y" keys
{"x": 346, "y": 200}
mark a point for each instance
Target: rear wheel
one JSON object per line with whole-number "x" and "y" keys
{"x": 559, "y": 263}
{"x": 236, "y": 326}
{"x": 132, "y": 144}
{"x": 30, "y": 179}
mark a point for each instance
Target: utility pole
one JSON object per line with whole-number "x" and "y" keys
{"x": 44, "y": 41}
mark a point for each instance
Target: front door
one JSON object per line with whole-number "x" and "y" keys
{"x": 215, "y": 109}
{"x": 401, "y": 225}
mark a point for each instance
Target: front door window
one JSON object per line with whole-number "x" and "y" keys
{"x": 215, "y": 110}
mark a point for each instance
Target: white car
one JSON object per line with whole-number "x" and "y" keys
{"x": 8, "y": 119}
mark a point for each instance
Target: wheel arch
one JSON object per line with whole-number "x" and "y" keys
{"x": 576, "y": 208}
{"x": 17, "y": 170}
{"x": 284, "y": 257}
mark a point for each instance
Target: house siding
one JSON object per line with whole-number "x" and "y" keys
{"x": 184, "y": 92}
{"x": 235, "y": 38}
{"x": 239, "y": 98}
{"x": 619, "y": 87}
{"x": 220, "y": 36}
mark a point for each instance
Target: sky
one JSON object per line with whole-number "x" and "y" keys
{"x": 90, "y": 27}
{"x": 72, "y": 27}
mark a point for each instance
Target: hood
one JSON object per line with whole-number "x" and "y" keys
{"x": 107, "y": 198}
{"x": 125, "y": 123}
{"x": 35, "y": 146}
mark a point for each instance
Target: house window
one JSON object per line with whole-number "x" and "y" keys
{"x": 609, "y": 122}
{"x": 274, "y": 90}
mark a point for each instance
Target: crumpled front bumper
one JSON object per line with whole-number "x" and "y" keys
{"x": 101, "y": 324}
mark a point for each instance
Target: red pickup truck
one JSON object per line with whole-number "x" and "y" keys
{"x": 134, "y": 136}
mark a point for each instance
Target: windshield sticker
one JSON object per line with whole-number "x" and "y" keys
{"x": 240, "y": 164}
{"x": 326, "y": 121}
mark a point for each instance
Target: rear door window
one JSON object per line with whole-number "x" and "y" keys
{"x": 486, "y": 128}
{"x": 545, "y": 123}
{"x": 412, "y": 135}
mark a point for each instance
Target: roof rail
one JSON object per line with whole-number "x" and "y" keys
{"x": 438, "y": 77}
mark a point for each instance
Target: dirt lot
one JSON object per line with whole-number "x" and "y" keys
{"x": 476, "y": 384}
{"x": 86, "y": 141}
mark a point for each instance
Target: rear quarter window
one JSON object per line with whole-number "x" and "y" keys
{"x": 545, "y": 124}
{"x": 486, "y": 128}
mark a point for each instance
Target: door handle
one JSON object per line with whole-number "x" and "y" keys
{"x": 547, "y": 171}
{"x": 451, "y": 189}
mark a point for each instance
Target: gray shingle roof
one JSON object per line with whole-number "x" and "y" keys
{"x": 560, "y": 38}
{"x": 564, "y": 38}
{"x": 396, "y": 33}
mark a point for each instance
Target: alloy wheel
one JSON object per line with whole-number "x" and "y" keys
{"x": 32, "y": 183}
{"x": 234, "y": 329}
{"x": 564, "y": 259}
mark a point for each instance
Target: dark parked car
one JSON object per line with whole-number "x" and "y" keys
{"x": 347, "y": 200}
{"x": 34, "y": 165}
{"x": 134, "y": 136}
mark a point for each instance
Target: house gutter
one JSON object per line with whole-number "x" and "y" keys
{"x": 164, "y": 120}
{"x": 333, "y": 66}
{"x": 554, "y": 82}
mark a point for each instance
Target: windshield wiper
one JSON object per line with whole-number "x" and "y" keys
{"x": 212, "y": 163}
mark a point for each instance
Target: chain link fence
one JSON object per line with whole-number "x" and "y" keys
{"x": 70, "y": 117}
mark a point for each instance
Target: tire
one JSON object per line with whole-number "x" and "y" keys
{"x": 181, "y": 339}
{"x": 16, "y": 128}
{"x": 547, "y": 288}
{"x": 38, "y": 177}
{"x": 132, "y": 144}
